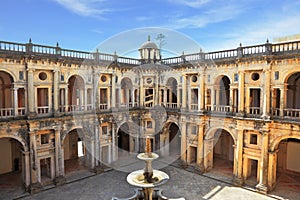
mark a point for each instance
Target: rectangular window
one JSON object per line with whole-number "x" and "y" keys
{"x": 104, "y": 130}
{"x": 21, "y": 75}
{"x": 236, "y": 77}
{"x": 149, "y": 124}
{"x": 194, "y": 130}
{"x": 253, "y": 138}
{"x": 62, "y": 77}
{"x": 44, "y": 138}
{"x": 276, "y": 75}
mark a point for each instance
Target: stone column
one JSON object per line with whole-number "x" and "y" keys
{"x": 241, "y": 89}
{"x": 165, "y": 96}
{"x": 238, "y": 157}
{"x": 27, "y": 168}
{"x": 272, "y": 169}
{"x": 67, "y": 98}
{"x": 184, "y": 92}
{"x": 31, "y": 95}
{"x": 97, "y": 142}
{"x": 108, "y": 98}
{"x": 213, "y": 99}
{"x": 85, "y": 98}
{"x": 201, "y": 93}
{"x": 156, "y": 100}
{"x": 55, "y": 91}
{"x": 113, "y": 91}
{"x": 266, "y": 94}
{"x": 217, "y": 97}
{"x": 208, "y": 154}
{"x": 189, "y": 95}
{"x": 35, "y": 168}
{"x": 200, "y": 146}
{"x": 142, "y": 91}
{"x": 231, "y": 102}
{"x": 283, "y": 94}
{"x": 263, "y": 172}
{"x": 57, "y": 153}
{"x": 183, "y": 141}
{"x": 15, "y": 101}
{"x": 114, "y": 150}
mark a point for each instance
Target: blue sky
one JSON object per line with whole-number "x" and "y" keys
{"x": 212, "y": 24}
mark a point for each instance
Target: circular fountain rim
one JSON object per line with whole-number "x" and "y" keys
{"x": 143, "y": 156}
{"x": 156, "y": 173}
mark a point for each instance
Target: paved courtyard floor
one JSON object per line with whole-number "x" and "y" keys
{"x": 183, "y": 183}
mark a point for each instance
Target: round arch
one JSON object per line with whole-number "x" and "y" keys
{"x": 66, "y": 132}
{"x": 220, "y": 77}
{"x": 290, "y": 73}
{"x": 21, "y": 140}
{"x": 210, "y": 133}
{"x": 11, "y": 74}
{"x": 274, "y": 144}
{"x": 74, "y": 75}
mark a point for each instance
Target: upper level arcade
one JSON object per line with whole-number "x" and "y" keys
{"x": 260, "y": 81}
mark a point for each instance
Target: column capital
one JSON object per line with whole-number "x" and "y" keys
{"x": 30, "y": 69}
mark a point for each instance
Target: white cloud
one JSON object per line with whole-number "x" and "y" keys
{"x": 213, "y": 15}
{"x": 84, "y": 7}
{"x": 192, "y": 3}
{"x": 258, "y": 33}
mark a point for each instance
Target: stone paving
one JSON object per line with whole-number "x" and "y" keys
{"x": 182, "y": 183}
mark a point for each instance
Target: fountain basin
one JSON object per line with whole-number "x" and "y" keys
{"x": 136, "y": 178}
{"x": 145, "y": 157}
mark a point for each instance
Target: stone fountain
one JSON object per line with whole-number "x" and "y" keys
{"x": 148, "y": 178}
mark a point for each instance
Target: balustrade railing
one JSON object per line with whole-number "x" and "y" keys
{"x": 42, "y": 110}
{"x": 268, "y": 48}
{"x": 21, "y": 111}
{"x": 6, "y": 112}
{"x": 254, "y": 110}
{"x": 103, "y": 106}
{"x": 171, "y": 105}
{"x": 194, "y": 106}
{"x": 291, "y": 112}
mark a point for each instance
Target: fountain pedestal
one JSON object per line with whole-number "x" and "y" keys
{"x": 148, "y": 178}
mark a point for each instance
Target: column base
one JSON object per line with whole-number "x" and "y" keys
{"x": 241, "y": 114}
{"x": 238, "y": 181}
{"x": 261, "y": 188}
{"x": 199, "y": 169}
{"x": 35, "y": 188}
{"x": 98, "y": 169}
{"x": 60, "y": 180}
{"x": 31, "y": 115}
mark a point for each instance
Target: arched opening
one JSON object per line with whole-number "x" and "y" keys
{"x": 127, "y": 94}
{"x": 123, "y": 140}
{"x": 224, "y": 91}
{"x": 171, "y": 93}
{"x": 12, "y": 167}
{"x": 76, "y": 93}
{"x": 6, "y": 95}
{"x": 74, "y": 152}
{"x": 223, "y": 153}
{"x": 174, "y": 140}
{"x": 293, "y": 95}
{"x": 288, "y": 165}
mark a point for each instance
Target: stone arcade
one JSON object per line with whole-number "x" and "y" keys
{"x": 237, "y": 107}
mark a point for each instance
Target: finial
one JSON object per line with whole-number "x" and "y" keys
{"x": 240, "y": 44}
{"x": 57, "y": 45}
{"x": 148, "y": 38}
{"x": 182, "y": 52}
{"x": 97, "y": 50}
{"x": 267, "y": 40}
{"x": 115, "y": 52}
{"x": 30, "y": 40}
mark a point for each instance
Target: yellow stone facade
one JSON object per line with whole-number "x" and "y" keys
{"x": 241, "y": 106}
